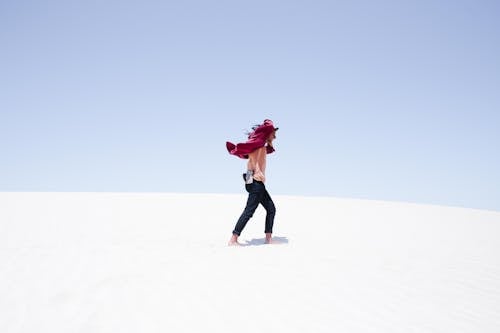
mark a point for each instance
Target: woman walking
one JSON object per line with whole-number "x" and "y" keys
{"x": 259, "y": 144}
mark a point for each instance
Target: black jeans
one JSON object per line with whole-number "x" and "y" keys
{"x": 257, "y": 194}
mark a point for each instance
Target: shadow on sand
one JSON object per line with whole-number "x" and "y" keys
{"x": 262, "y": 241}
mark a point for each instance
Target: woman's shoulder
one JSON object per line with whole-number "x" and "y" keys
{"x": 257, "y": 151}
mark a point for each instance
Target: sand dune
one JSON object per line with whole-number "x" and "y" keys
{"x": 129, "y": 262}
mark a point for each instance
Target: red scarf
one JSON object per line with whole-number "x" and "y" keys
{"x": 256, "y": 139}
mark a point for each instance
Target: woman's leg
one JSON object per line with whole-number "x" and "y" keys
{"x": 268, "y": 204}
{"x": 255, "y": 192}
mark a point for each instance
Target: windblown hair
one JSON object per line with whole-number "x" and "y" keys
{"x": 254, "y": 127}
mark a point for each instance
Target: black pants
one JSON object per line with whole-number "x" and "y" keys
{"x": 257, "y": 194}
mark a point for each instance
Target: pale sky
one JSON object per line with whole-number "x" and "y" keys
{"x": 383, "y": 100}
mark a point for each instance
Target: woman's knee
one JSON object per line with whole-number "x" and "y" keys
{"x": 247, "y": 214}
{"x": 271, "y": 209}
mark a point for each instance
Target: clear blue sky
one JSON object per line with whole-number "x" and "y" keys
{"x": 387, "y": 100}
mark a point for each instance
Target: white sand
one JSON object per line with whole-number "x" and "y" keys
{"x": 108, "y": 262}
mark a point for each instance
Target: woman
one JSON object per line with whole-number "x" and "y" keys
{"x": 259, "y": 144}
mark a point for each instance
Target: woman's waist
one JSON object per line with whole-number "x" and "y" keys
{"x": 257, "y": 175}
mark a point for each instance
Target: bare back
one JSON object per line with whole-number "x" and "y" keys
{"x": 257, "y": 163}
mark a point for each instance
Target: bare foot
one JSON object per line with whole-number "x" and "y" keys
{"x": 234, "y": 241}
{"x": 269, "y": 239}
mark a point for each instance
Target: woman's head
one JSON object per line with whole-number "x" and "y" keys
{"x": 271, "y": 137}
{"x": 265, "y": 130}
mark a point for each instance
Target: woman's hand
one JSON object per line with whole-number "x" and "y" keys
{"x": 258, "y": 175}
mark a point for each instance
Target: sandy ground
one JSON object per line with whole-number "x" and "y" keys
{"x": 131, "y": 262}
